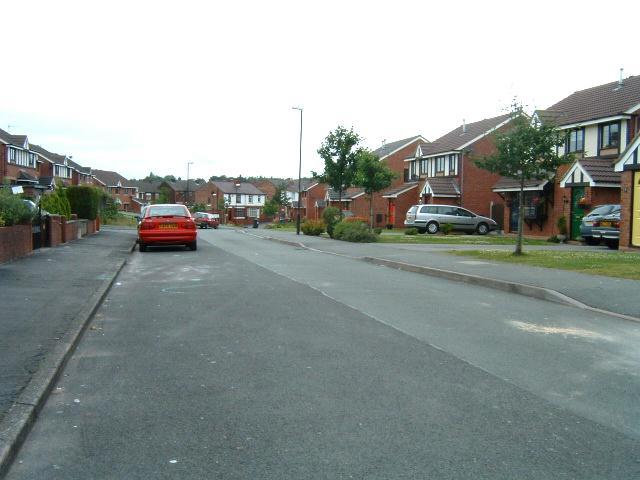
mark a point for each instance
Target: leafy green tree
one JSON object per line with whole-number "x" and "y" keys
{"x": 525, "y": 152}
{"x": 169, "y": 178}
{"x": 280, "y": 195}
{"x": 339, "y": 152}
{"x": 331, "y": 217}
{"x": 270, "y": 207}
{"x": 163, "y": 196}
{"x": 56, "y": 203}
{"x": 152, "y": 178}
{"x": 372, "y": 175}
{"x": 198, "y": 207}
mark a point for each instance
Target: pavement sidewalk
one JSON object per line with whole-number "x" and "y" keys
{"x": 620, "y": 296}
{"x": 46, "y": 299}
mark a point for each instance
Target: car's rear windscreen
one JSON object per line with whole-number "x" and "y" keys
{"x": 168, "y": 210}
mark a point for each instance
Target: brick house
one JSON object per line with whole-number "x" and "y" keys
{"x": 390, "y": 205}
{"x": 599, "y": 123}
{"x": 206, "y": 194}
{"x": 181, "y": 191}
{"x": 446, "y": 173}
{"x": 147, "y": 192}
{"x": 628, "y": 165}
{"x": 123, "y": 192}
{"x": 242, "y": 200}
{"x": 352, "y": 201}
{"x": 312, "y": 200}
{"x": 20, "y": 164}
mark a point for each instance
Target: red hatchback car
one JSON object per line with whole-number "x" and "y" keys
{"x": 166, "y": 224}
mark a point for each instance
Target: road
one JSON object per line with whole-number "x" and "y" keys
{"x": 250, "y": 359}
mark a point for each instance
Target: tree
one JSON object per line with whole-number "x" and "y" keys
{"x": 339, "y": 152}
{"x": 280, "y": 195}
{"x": 169, "y": 178}
{"x": 525, "y": 152}
{"x": 152, "y": 178}
{"x": 372, "y": 175}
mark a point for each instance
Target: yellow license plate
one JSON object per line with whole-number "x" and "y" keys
{"x": 605, "y": 224}
{"x": 167, "y": 226}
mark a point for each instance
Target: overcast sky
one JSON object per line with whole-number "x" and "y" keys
{"x": 140, "y": 86}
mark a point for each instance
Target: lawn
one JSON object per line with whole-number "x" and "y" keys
{"x": 400, "y": 237}
{"x": 121, "y": 220}
{"x": 611, "y": 264}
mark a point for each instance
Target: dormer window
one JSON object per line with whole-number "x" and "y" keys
{"x": 610, "y": 135}
{"x": 575, "y": 140}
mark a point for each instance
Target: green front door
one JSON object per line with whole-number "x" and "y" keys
{"x": 577, "y": 211}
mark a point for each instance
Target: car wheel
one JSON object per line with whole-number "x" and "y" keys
{"x": 142, "y": 247}
{"x": 612, "y": 244}
{"x": 482, "y": 229}
{"x": 215, "y": 227}
{"x": 422, "y": 230}
{"x": 432, "y": 227}
{"x": 193, "y": 245}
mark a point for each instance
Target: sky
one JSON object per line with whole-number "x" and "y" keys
{"x": 141, "y": 86}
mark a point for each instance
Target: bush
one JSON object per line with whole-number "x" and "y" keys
{"x": 353, "y": 232}
{"x": 553, "y": 239}
{"x": 56, "y": 203}
{"x": 562, "y": 225}
{"x": 446, "y": 228}
{"x": 377, "y": 230}
{"x": 313, "y": 227}
{"x": 84, "y": 201}
{"x": 355, "y": 220}
{"x": 331, "y": 217}
{"x": 13, "y": 211}
{"x": 198, "y": 207}
{"x": 411, "y": 231}
{"x": 109, "y": 208}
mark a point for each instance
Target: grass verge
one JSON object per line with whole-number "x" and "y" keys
{"x": 400, "y": 237}
{"x": 610, "y": 264}
{"x": 121, "y": 220}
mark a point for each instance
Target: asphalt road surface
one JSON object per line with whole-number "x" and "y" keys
{"x": 250, "y": 359}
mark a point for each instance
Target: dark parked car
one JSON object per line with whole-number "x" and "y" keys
{"x": 608, "y": 228}
{"x": 586, "y": 225}
{"x": 166, "y": 224}
{"x": 429, "y": 218}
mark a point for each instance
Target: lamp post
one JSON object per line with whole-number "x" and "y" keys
{"x": 299, "y": 172}
{"x": 186, "y": 200}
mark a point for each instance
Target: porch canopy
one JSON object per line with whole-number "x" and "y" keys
{"x": 398, "y": 191}
{"x": 512, "y": 185}
{"x": 441, "y": 187}
{"x": 591, "y": 172}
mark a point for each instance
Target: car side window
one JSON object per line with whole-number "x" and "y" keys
{"x": 428, "y": 209}
{"x": 446, "y": 211}
{"x": 464, "y": 213}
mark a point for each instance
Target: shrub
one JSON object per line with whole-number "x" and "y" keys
{"x": 353, "y": 232}
{"x": 446, "y": 228}
{"x": 411, "y": 231}
{"x": 13, "y": 211}
{"x": 56, "y": 203}
{"x": 377, "y": 230}
{"x": 562, "y": 225}
{"x": 331, "y": 217}
{"x": 109, "y": 208}
{"x": 553, "y": 239}
{"x": 355, "y": 220}
{"x": 84, "y": 201}
{"x": 198, "y": 207}
{"x": 313, "y": 227}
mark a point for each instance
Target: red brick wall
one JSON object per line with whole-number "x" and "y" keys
{"x": 309, "y": 199}
{"x": 626, "y": 200}
{"x": 15, "y": 241}
{"x": 3, "y": 161}
{"x": 55, "y": 230}
{"x": 70, "y": 231}
{"x": 403, "y": 203}
{"x": 477, "y": 182}
{"x": 13, "y": 171}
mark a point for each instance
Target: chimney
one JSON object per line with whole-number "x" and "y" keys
{"x": 620, "y": 82}
{"x": 464, "y": 126}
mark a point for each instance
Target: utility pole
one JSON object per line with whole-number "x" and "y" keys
{"x": 299, "y": 173}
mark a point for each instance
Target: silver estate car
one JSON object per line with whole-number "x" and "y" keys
{"x": 429, "y": 218}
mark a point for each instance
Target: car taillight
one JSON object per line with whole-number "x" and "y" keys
{"x": 616, "y": 224}
{"x": 596, "y": 223}
{"x": 146, "y": 224}
{"x": 189, "y": 225}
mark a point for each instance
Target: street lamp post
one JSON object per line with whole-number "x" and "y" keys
{"x": 186, "y": 200}
{"x": 299, "y": 173}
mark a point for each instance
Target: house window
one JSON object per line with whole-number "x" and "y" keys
{"x": 610, "y": 135}
{"x": 239, "y": 213}
{"x": 238, "y": 198}
{"x": 440, "y": 162}
{"x": 423, "y": 167}
{"x": 250, "y": 199}
{"x": 12, "y": 154}
{"x": 453, "y": 164}
{"x": 254, "y": 212}
{"x": 575, "y": 140}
